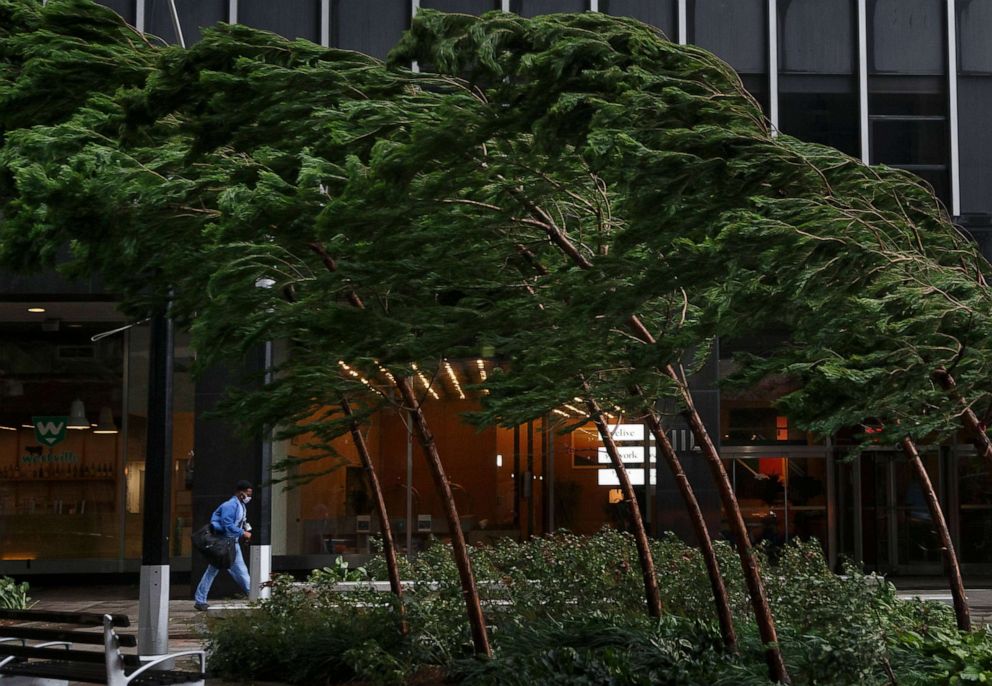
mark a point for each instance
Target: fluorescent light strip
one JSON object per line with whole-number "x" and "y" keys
{"x": 454, "y": 380}
{"x": 427, "y": 384}
{"x": 358, "y": 376}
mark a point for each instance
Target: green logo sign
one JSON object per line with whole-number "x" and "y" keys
{"x": 49, "y": 430}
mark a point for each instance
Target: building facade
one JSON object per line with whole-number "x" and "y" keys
{"x": 907, "y": 83}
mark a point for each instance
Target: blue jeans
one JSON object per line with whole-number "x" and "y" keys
{"x": 238, "y": 570}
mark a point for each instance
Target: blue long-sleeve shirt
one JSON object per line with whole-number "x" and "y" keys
{"x": 229, "y": 518}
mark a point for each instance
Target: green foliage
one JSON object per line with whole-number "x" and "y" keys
{"x": 13, "y": 595}
{"x": 340, "y": 571}
{"x": 946, "y": 657}
{"x": 308, "y": 636}
{"x": 569, "y": 609}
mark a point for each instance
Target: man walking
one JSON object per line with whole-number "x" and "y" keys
{"x": 230, "y": 520}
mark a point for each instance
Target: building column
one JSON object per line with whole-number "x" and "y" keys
{"x": 153, "y": 603}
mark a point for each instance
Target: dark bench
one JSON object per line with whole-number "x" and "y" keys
{"x": 47, "y": 656}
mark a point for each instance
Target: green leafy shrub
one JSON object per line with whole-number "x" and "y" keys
{"x": 568, "y": 609}
{"x": 13, "y": 595}
{"x": 338, "y": 572}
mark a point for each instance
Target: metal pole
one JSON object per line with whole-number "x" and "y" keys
{"x": 260, "y": 551}
{"x": 863, "y": 80}
{"x": 153, "y": 603}
{"x": 952, "y": 95}
{"x": 409, "y": 486}
{"x": 648, "y": 511}
{"x": 174, "y": 14}
{"x": 122, "y": 455}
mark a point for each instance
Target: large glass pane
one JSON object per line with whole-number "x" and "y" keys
{"x": 974, "y": 106}
{"x": 817, "y": 36}
{"x": 659, "y": 13}
{"x": 974, "y": 21}
{"x": 907, "y": 117}
{"x": 806, "y": 489}
{"x": 735, "y": 30}
{"x": 125, "y": 8}
{"x": 875, "y": 511}
{"x": 183, "y": 453}
{"x": 533, "y": 8}
{"x": 820, "y": 109}
{"x": 461, "y": 6}
{"x": 369, "y": 26}
{"x": 906, "y": 37}
{"x": 909, "y": 141}
{"x": 289, "y": 18}
{"x": 60, "y": 414}
{"x": 194, "y": 15}
{"x": 975, "y": 492}
{"x": 917, "y": 538}
{"x": 847, "y": 507}
{"x": 760, "y": 487}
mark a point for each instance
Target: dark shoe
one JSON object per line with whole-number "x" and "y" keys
{"x": 201, "y": 606}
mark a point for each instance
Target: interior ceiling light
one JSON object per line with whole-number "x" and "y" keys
{"x": 105, "y": 424}
{"x": 77, "y": 416}
{"x": 36, "y": 310}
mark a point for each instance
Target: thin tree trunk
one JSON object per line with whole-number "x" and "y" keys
{"x": 752, "y": 575}
{"x": 756, "y": 588}
{"x": 961, "y": 611}
{"x": 640, "y": 535}
{"x": 970, "y": 420}
{"x": 388, "y": 543}
{"x": 719, "y": 589}
{"x": 476, "y": 620}
{"x": 480, "y": 638}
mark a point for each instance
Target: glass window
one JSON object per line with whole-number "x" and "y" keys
{"x": 194, "y": 15}
{"x": 60, "y": 440}
{"x": 974, "y": 105}
{"x": 906, "y": 37}
{"x": 906, "y": 142}
{"x": 817, "y": 36}
{"x": 735, "y": 30}
{"x": 461, "y": 6}
{"x": 369, "y": 26}
{"x": 821, "y": 109}
{"x": 659, "y": 13}
{"x": 136, "y": 429}
{"x": 125, "y": 8}
{"x": 289, "y": 18}
{"x": 533, "y": 8}
{"x": 974, "y": 20}
{"x": 975, "y": 488}
{"x": 907, "y": 116}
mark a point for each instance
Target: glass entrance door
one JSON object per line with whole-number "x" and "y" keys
{"x": 888, "y": 527}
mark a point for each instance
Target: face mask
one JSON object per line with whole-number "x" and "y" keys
{"x": 246, "y": 499}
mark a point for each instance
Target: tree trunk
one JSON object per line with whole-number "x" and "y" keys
{"x": 720, "y": 597}
{"x": 756, "y": 588}
{"x": 961, "y": 611}
{"x": 480, "y": 637}
{"x": 388, "y": 543}
{"x": 970, "y": 420}
{"x": 640, "y": 535}
{"x": 476, "y": 620}
{"x": 752, "y": 575}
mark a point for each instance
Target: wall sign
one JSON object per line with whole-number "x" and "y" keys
{"x": 49, "y": 430}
